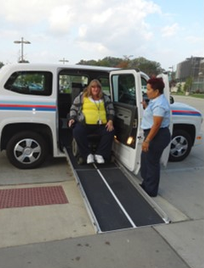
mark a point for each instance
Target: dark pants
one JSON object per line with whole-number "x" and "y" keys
{"x": 81, "y": 132}
{"x": 150, "y": 161}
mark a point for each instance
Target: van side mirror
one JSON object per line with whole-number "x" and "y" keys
{"x": 171, "y": 100}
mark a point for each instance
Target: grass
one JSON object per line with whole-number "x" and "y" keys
{"x": 195, "y": 95}
{"x": 201, "y": 96}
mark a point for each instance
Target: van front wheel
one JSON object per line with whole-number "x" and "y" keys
{"x": 26, "y": 150}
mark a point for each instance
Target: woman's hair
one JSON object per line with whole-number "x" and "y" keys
{"x": 88, "y": 91}
{"x": 157, "y": 83}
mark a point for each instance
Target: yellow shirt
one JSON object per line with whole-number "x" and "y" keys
{"x": 94, "y": 111}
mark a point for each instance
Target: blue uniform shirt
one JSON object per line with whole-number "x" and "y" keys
{"x": 156, "y": 107}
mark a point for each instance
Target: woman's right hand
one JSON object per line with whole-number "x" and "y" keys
{"x": 71, "y": 122}
{"x": 109, "y": 125}
{"x": 144, "y": 104}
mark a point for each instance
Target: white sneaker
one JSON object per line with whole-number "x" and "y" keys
{"x": 99, "y": 159}
{"x": 90, "y": 159}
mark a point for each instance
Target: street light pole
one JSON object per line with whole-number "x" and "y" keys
{"x": 127, "y": 58}
{"x": 63, "y": 60}
{"x": 22, "y": 42}
{"x": 172, "y": 70}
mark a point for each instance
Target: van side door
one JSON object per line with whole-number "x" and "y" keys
{"x": 126, "y": 95}
{"x": 165, "y": 154}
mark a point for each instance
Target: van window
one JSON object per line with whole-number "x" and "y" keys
{"x": 32, "y": 83}
{"x": 105, "y": 84}
{"x": 144, "y": 86}
{"x": 124, "y": 89}
{"x": 69, "y": 83}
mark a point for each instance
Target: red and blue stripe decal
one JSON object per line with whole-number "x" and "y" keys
{"x": 28, "y": 106}
{"x": 185, "y": 112}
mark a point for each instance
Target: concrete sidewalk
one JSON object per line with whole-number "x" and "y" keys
{"x": 143, "y": 247}
{"x": 60, "y": 236}
{"x": 36, "y": 224}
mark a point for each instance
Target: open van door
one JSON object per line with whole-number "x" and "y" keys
{"x": 165, "y": 155}
{"x": 126, "y": 94}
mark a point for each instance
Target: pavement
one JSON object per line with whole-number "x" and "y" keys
{"x": 63, "y": 236}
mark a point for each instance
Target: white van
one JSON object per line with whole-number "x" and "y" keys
{"x": 36, "y": 98}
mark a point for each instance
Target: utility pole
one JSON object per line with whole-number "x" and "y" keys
{"x": 22, "y": 42}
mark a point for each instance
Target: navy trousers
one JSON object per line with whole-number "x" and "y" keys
{"x": 81, "y": 132}
{"x": 150, "y": 161}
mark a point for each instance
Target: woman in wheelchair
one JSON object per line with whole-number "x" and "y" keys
{"x": 92, "y": 112}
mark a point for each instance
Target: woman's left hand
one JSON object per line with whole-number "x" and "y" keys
{"x": 145, "y": 146}
{"x": 109, "y": 125}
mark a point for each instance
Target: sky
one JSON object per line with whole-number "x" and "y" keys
{"x": 164, "y": 31}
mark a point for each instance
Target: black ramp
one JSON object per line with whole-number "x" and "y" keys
{"x": 107, "y": 212}
{"x": 139, "y": 210}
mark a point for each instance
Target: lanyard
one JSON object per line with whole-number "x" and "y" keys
{"x": 98, "y": 108}
{"x": 97, "y": 105}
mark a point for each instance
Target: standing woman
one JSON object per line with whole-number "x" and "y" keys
{"x": 155, "y": 123}
{"x": 92, "y": 112}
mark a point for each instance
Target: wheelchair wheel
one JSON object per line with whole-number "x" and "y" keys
{"x": 76, "y": 153}
{"x": 75, "y": 149}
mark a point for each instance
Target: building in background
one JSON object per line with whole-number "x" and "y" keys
{"x": 191, "y": 68}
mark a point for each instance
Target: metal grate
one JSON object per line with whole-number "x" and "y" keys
{"x": 36, "y": 196}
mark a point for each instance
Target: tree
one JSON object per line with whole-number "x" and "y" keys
{"x": 188, "y": 84}
{"x": 89, "y": 62}
{"x": 179, "y": 88}
{"x": 149, "y": 67}
{"x": 1, "y": 64}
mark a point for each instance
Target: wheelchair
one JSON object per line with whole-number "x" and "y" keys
{"x": 93, "y": 141}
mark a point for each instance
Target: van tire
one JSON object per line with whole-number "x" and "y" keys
{"x": 180, "y": 147}
{"x": 27, "y": 150}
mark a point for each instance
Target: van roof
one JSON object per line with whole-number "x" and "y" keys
{"x": 29, "y": 66}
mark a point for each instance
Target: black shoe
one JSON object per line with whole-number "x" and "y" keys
{"x": 151, "y": 195}
{"x": 142, "y": 186}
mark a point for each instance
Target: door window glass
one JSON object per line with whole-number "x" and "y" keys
{"x": 124, "y": 88}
